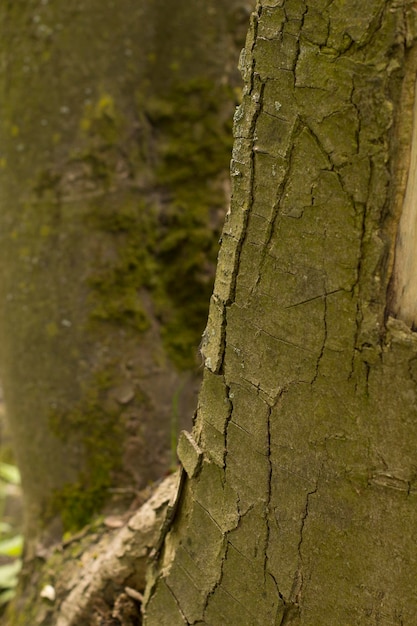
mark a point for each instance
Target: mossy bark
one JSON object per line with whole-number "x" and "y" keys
{"x": 114, "y": 141}
{"x": 302, "y": 507}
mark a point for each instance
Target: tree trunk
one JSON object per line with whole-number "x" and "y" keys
{"x": 300, "y": 501}
{"x": 114, "y": 138}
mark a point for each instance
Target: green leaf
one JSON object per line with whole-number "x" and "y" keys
{"x": 6, "y": 596}
{"x": 12, "y": 547}
{"x": 10, "y": 473}
{"x": 9, "y": 573}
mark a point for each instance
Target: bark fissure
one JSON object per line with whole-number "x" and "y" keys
{"x": 266, "y": 249}
{"x": 246, "y": 613}
{"x": 214, "y": 337}
{"x": 217, "y": 583}
{"x": 324, "y": 340}
{"x": 226, "y": 428}
{"x": 304, "y": 319}
{"x": 362, "y": 212}
{"x": 257, "y": 97}
{"x": 296, "y": 130}
{"x": 269, "y": 494}
{"x": 296, "y": 593}
{"x": 300, "y": 23}
{"x": 256, "y": 94}
{"x": 321, "y": 296}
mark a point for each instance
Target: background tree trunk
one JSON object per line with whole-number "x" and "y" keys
{"x": 300, "y": 503}
{"x": 114, "y": 138}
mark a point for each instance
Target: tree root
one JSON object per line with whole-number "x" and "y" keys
{"x": 96, "y": 579}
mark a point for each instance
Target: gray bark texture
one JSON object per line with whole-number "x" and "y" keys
{"x": 115, "y": 135}
{"x": 300, "y": 499}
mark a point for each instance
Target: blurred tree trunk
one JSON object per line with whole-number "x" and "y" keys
{"x": 300, "y": 503}
{"x": 114, "y": 153}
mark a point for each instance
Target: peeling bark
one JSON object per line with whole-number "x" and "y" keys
{"x": 404, "y": 297}
{"x": 304, "y": 506}
{"x": 98, "y": 575}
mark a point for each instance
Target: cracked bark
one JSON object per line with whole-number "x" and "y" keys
{"x": 313, "y": 387}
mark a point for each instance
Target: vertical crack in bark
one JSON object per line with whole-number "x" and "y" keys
{"x": 298, "y": 49}
{"x": 223, "y": 558}
{"x": 226, "y": 429}
{"x": 323, "y": 346}
{"x": 290, "y": 608}
{"x": 367, "y": 374}
{"x": 296, "y": 592}
{"x": 256, "y": 17}
{"x": 220, "y": 577}
{"x": 269, "y": 495}
{"x": 223, "y": 330}
{"x": 258, "y": 97}
{"x": 297, "y": 129}
{"x": 255, "y": 90}
{"x": 359, "y": 128}
{"x": 356, "y": 288}
{"x": 213, "y": 345}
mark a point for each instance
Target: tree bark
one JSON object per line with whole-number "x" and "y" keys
{"x": 299, "y": 505}
{"x": 114, "y": 137}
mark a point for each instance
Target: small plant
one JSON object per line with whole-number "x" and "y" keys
{"x": 8, "y": 580}
{"x": 11, "y": 542}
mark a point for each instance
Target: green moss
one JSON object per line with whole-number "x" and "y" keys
{"x": 194, "y": 147}
{"x": 101, "y": 120}
{"x": 162, "y": 236}
{"x": 164, "y": 241}
{"x": 101, "y": 438}
{"x": 116, "y": 280}
{"x": 77, "y": 503}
